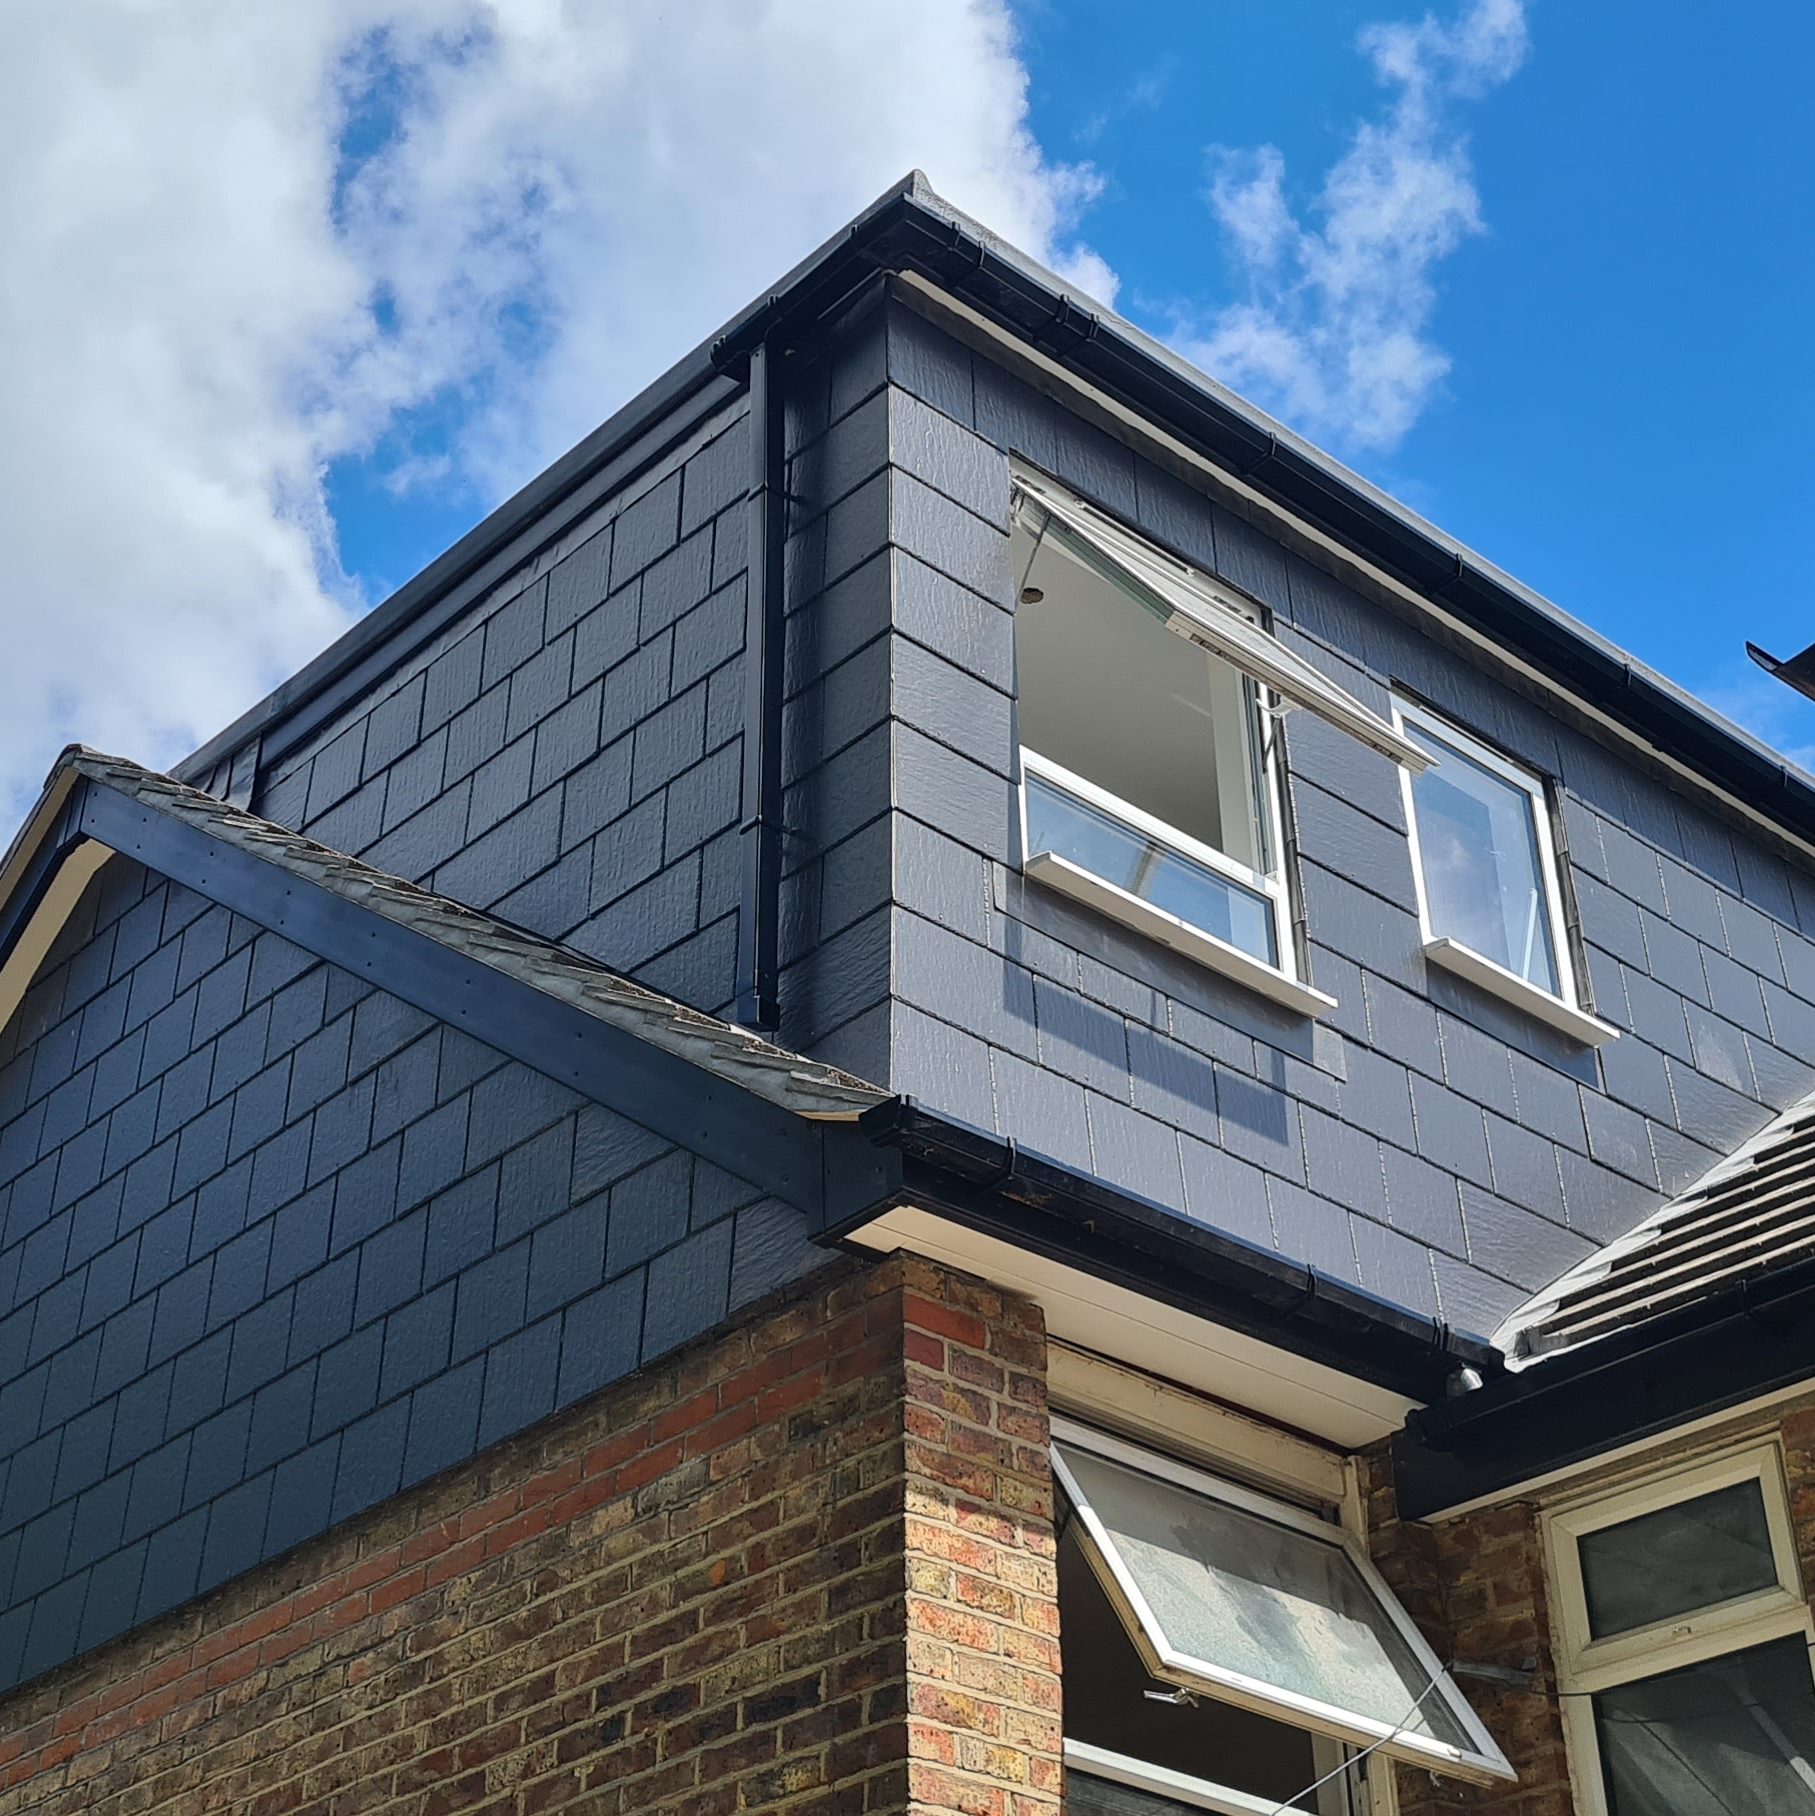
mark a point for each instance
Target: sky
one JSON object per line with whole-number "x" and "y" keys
{"x": 291, "y": 297}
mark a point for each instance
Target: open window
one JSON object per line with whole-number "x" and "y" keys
{"x": 1489, "y": 896}
{"x": 1684, "y": 1645}
{"x": 1227, "y": 1651}
{"x": 1150, "y": 697}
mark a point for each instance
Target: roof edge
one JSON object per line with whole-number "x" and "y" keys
{"x": 910, "y": 227}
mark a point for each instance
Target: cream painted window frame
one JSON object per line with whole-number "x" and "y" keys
{"x": 1586, "y": 1666}
{"x": 1485, "y": 1763}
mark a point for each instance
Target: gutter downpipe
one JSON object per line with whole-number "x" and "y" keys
{"x": 759, "y": 916}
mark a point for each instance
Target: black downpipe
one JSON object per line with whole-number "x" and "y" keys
{"x": 758, "y": 924}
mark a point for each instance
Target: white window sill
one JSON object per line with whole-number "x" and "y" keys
{"x": 1055, "y": 872}
{"x": 1496, "y": 980}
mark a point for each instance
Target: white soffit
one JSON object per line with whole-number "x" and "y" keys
{"x": 1142, "y": 1333}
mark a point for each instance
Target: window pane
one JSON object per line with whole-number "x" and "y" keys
{"x": 1108, "y": 692}
{"x": 1107, "y": 847}
{"x": 1483, "y": 877}
{"x": 1735, "y": 1734}
{"x": 1247, "y": 1594}
{"x": 1693, "y": 1555}
{"x": 1107, "y": 1706}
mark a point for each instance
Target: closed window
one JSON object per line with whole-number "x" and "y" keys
{"x": 1227, "y": 1651}
{"x": 1150, "y": 699}
{"x": 1684, "y": 1646}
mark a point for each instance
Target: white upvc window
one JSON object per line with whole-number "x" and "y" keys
{"x": 1150, "y": 697}
{"x": 1683, "y": 1644}
{"x": 1225, "y": 1650}
{"x": 1484, "y": 861}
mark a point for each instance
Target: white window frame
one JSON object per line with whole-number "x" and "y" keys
{"x": 1561, "y": 1009}
{"x": 1586, "y": 1665}
{"x": 1281, "y": 982}
{"x": 1337, "y": 1731}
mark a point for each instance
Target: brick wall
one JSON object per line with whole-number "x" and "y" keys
{"x": 804, "y": 1566}
{"x": 1477, "y": 1586}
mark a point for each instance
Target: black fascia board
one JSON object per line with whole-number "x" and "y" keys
{"x": 989, "y": 1183}
{"x": 1751, "y": 1339}
{"x": 910, "y": 229}
{"x": 765, "y": 1143}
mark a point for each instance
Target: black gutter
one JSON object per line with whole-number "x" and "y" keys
{"x": 989, "y": 1184}
{"x": 758, "y": 922}
{"x": 911, "y": 229}
{"x": 1754, "y": 1338}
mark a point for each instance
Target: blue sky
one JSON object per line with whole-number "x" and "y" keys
{"x": 1624, "y": 424}
{"x": 294, "y": 295}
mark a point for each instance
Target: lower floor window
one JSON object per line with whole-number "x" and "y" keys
{"x": 1226, "y": 1651}
{"x": 1732, "y": 1733}
{"x": 1685, "y": 1644}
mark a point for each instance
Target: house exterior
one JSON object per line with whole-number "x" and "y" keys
{"x": 949, "y": 1083}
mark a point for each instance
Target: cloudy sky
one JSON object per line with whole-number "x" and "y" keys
{"x": 292, "y": 295}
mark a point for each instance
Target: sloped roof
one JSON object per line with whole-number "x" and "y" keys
{"x": 721, "y": 1048}
{"x": 1750, "y": 1214}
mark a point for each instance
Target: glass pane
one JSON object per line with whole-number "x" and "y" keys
{"x": 1107, "y": 847}
{"x": 1107, "y": 1706}
{"x": 1250, "y": 1595}
{"x": 1693, "y": 1555}
{"x": 1108, "y": 692}
{"x": 1733, "y": 1735}
{"x": 1483, "y": 878}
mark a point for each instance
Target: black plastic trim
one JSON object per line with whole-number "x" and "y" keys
{"x": 1754, "y": 1338}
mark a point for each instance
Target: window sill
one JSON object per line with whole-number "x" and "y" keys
{"x": 1055, "y": 872}
{"x": 1496, "y": 980}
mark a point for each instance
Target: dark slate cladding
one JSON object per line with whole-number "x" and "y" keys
{"x": 1426, "y": 1141}
{"x": 274, "y": 1244}
{"x": 567, "y": 755}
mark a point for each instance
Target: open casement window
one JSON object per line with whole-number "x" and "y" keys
{"x": 1225, "y": 1651}
{"x": 1485, "y": 864}
{"x": 1149, "y": 702}
{"x": 1684, "y": 1645}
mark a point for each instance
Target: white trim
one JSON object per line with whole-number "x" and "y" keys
{"x": 1198, "y": 1793}
{"x": 1211, "y": 614}
{"x": 1481, "y": 1761}
{"x": 1110, "y": 1395}
{"x": 1586, "y": 1665}
{"x": 1560, "y": 1008}
{"x": 1095, "y": 1314}
{"x": 1156, "y": 831}
{"x": 1213, "y": 954}
{"x": 46, "y": 921}
{"x": 1496, "y": 980}
{"x": 927, "y": 299}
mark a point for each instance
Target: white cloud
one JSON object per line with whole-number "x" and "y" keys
{"x": 245, "y": 242}
{"x": 1333, "y": 331}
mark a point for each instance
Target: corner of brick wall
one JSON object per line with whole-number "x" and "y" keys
{"x": 804, "y": 1566}
{"x": 1477, "y": 1590}
{"x": 982, "y": 1573}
